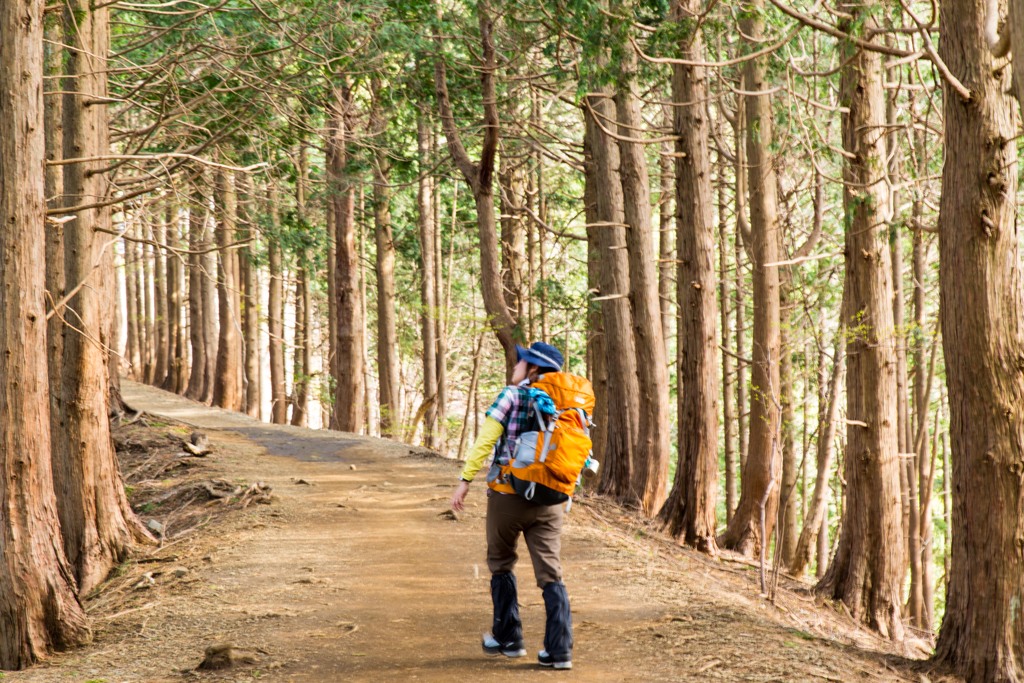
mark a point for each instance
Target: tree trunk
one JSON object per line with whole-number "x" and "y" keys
{"x": 816, "y": 519}
{"x": 619, "y": 348}
{"x": 441, "y": 324}
{"x": 982, "y": 314}
{"x": 387, "y": 334}
{"x": 139, "y": 257}
{"x": 349, "y": 392}
{"x": 132, "y": 352}
{"x": 302, "y": 359}
{"x": 38, "y": 606}
{"x": 787, "y": 524}
{"x": 211, "y": 319}
{"x": 921, "y": 405}
{"x": 729, "y": 409}
{"x": 868, "y": 569}
{"x": 147, "y": 252}
{"x": 175, "y": 359}
{"x": 480, "y": 177}
{"x": 163, "y": 337}
{"x": 759, "y": 488}
{"x": 428, "y": 271}
{"x": 275, "y": 315}
{"x": 666, "y": 235}
{"x": 690, "y": 510}
{"x": 651, "y": 452}
{"x": 227, "y": 389}
{"x": 97, "y": 524}
{"x": 597, "y": 368}
{"x": 197, "y": 227}
{"x": 741, "y": 239}
{"x": 250, "y": 296}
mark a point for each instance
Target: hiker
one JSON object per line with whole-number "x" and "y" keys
{"x": 509, "y": 514}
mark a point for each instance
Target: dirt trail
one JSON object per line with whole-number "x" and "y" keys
{"x": 359, "y": 576}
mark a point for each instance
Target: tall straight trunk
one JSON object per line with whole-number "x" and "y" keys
{"x": 370, "y": 422}
{"x": 690, "y": 510}
{"x": 197, "y": 220}
{"x": 480, "y": 178}
{"x": 816, "y": 519}
{"x": 441, "y": 325}
{"x": 982, "y": 314}
{"x": 666, "y": 234}
{"x": 613, "y": 287}
{"x": 227, "y": 389}
{"x": 759, "y": 488}
{"x": 174, "y": 303}
{"x": 211, "y": 319}
{"x": 131, "y": 287}
{"x": 349, "y": 392}
{"x": 275, "y": 315}
{"x": 139, "y": 257}
{"x": 250, "y": 296}
{"x": 597, "y": 367}
{"x": 53, "y": 189}
{"x": 868, "y": 569}
{"x": 38, "y": 606}
{"x": 925, "y": 460}
{"x": 301, "y": 359}
{"x": 97, "y": 524}
{"x": 331, "y": 363}
{"x": 904, "y": 429}
{"x": 729, "y": 409}
{"x": 387, "y": 334}
{"x": 147, "y": 252}
{"x": 651, "y": 450}
{"x": 428, "y": 271}
{"x": 787, "y": 524}
{"x": 160, "y": 322}
{"x": 742, "y": 235}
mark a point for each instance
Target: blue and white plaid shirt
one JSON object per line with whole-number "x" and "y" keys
{"x": 512, "y": 410}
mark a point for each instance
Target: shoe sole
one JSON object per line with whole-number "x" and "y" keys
{"x": 557, "y": 665}
{"x": 512, "y": 654}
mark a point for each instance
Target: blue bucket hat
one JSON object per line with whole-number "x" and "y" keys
{"x": 542, "y": 355}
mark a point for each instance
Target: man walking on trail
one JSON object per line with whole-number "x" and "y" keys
{"x": 508, "y": 515}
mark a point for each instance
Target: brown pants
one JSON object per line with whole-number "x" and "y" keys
{"x": 509, "y": 515}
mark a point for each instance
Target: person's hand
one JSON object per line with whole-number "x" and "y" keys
{"x": 459, "y": 496}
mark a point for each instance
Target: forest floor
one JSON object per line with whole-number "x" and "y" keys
{"x": 356, "y": 571}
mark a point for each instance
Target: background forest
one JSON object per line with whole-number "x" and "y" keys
{"x": 780, "y": 239}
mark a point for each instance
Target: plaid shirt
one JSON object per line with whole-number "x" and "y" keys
{"x": 511, "y": 409}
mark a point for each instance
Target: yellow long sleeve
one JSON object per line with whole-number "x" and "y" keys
{"x": 490, "y": 432}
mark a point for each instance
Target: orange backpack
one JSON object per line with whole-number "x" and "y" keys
{"x": 547, "y": 463}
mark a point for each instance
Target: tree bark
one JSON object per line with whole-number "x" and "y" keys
{"x": 38, "y": 606}
{"x": 613, "y": 279}
{"x": 227, "y": 389}
{"x": 982, "y": 315}
{"x": 211, "y": 320}
{"x": 302, "y": 358}
{"x": 175, "y": 355}
{"x": 275, "y": 315}
{"x": 868, "y": 568}
{"x": 387, "y": 334}
{"x": 666, "y": 234}
{"x": 729, "y": 409}
{"x": 651, "y": 452}
{"x": 163, "y": 337}
{"x": 250, "y": 296}
{"x": 97, "y": 524}
{"x": 690, "y": 510}
{"x": 760, "y": 479}
{"x": 597, "y": 368}
{"x": 197, "y": 227}
{"x": 428, "y": 271}
{"x": 349, "y": 391}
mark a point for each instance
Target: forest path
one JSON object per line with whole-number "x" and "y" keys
{"x": 356, "y": 574}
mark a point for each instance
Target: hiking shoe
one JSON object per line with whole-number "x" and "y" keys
{"x": 544, "y": 659}
{"x": 511, "y": 649}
